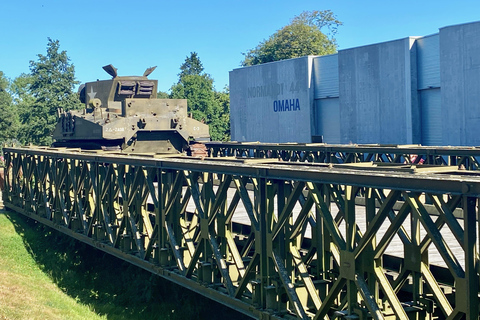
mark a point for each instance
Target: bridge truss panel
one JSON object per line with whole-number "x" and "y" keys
{"x": 313, "y": 243}
{"x": 463, "y": 157}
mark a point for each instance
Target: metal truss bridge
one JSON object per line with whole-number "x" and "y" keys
{"x": 274, "y": 239}
{"x": 465, "y": 157}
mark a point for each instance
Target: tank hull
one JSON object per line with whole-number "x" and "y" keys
{"x": 124, "y": 113}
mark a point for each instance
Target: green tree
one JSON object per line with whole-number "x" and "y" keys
{"x": 23, "y": 101}
{"x": 204, "y": 102}
{"x": 191, "y": 66}
{"x": 51, "y": 84}
{"x": 303, "y": 36}
{"x": 162, "y": 95}
{"x": 223, "y": 120}
{"x": 8, "y": 116}
{"x": 321, "y": 20}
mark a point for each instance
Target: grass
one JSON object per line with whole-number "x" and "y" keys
{"x": 26, "y": 291}
{"x": 47, "y": 275}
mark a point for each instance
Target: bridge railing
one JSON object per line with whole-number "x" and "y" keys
{"x": 463, "y": 157}
{"x": 307, "y": 249}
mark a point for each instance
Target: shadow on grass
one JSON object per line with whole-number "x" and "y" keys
{"x": 111, "y": 286}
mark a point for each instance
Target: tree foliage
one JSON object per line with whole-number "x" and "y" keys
{"x": 191, "y": 66}
{"x": 303, "y": 36}
{"x": 28, "y": 105}
{"x": 222, "y": 121}
{"x": 162, "y": 95}
{"x": 204, "y": 102}
{"x": 8, "y": 116}
{"x": 49, "y": 86}
{"x": 321, "y": 20}
{"x": 23, "y": 100}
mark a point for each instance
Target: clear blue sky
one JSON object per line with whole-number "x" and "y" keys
{"x": 135, "y": 35}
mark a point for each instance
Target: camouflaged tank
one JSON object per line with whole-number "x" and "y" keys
{"x": 123, "y": 113}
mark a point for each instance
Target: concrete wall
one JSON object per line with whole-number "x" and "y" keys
{"x": 460, "y": 84}
{"x": 272, "y": 102}
{"x": 413, "y": 90}
{"x": 378, "y": 101}
{"x": 326, "y": 105}
{"x": 428, "y": 66}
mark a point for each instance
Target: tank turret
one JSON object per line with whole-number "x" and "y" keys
{"x": 124, "y": 113}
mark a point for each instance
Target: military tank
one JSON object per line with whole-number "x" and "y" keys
{"x": 123, "y": 113}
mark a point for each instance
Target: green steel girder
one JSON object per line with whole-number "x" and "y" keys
{"x": 311, "y": 252}
{"x": 465, "y": 157}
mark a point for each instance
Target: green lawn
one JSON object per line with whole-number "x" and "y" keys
{"x": 46, "y": 275}
{"x": 27, "y": 292}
